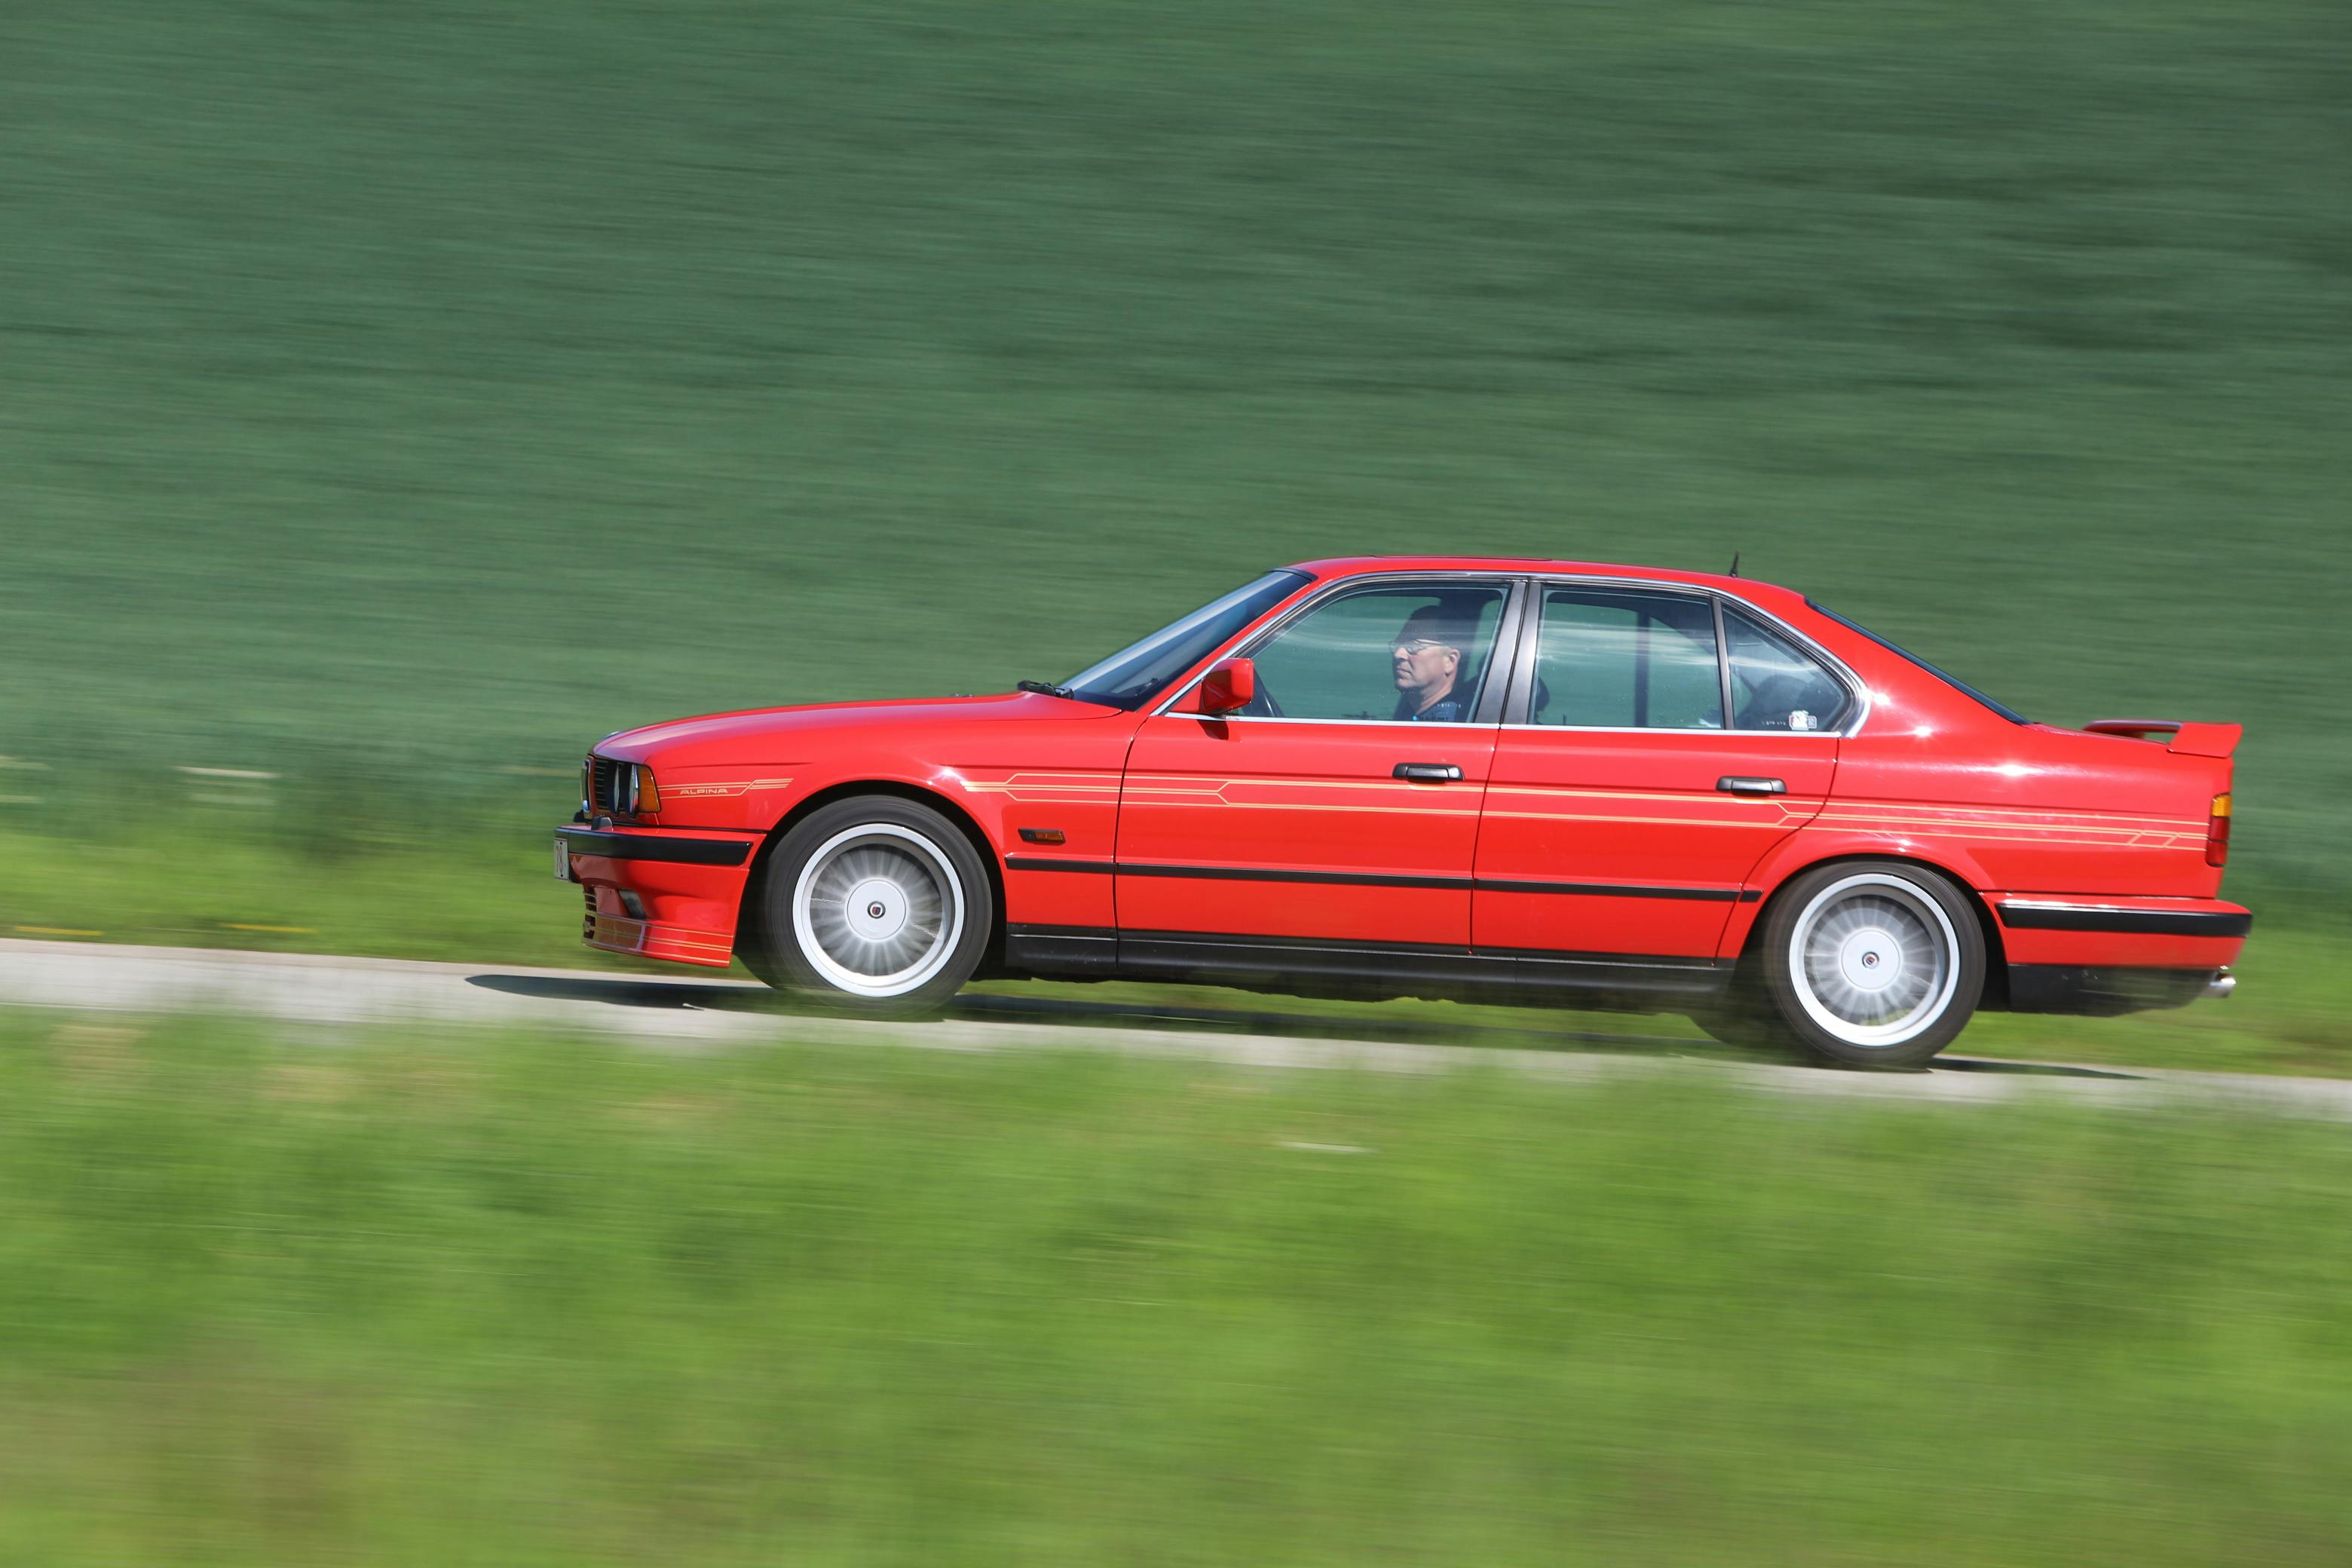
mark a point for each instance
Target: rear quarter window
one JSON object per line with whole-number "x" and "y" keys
{"x": 1962, "y": 687}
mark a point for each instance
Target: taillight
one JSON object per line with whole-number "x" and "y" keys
{"x": 2216, "y": 832}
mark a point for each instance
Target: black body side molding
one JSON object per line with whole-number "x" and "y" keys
{"x": 1373, "y": 879}
{"x": 2143, "y": 922}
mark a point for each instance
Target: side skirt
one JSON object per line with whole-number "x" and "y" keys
{"x": 1062, "y": 952}
{"x": 1315, "y": 966}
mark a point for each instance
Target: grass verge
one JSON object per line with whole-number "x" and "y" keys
{"x": 430, "y": 1298}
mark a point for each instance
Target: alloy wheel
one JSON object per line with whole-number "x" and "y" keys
{"x": 878, "y": 909}
{"x": 1874, "y": 960}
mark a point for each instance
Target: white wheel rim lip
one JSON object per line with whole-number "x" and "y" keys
{"x": 1935, "y": 923}
{"x": 927, "y": 858}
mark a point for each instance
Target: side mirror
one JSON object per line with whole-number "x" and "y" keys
{"x": 1231, "y": 684}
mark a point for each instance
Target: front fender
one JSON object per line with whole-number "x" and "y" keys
{"x": 1046, "y": 794}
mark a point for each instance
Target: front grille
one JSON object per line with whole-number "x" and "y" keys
{"x": 603, "y": 785}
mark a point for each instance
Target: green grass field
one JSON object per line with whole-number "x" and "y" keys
{"x": 395, "y": 401}
{"x": 439, "y": 1298}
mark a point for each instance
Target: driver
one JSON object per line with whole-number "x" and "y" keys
{"x": 1427, "y": 659}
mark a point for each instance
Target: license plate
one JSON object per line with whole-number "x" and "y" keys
{"x": 562, "y": 861}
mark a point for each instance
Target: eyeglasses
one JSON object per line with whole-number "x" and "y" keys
{"x": 1418, "y": 645}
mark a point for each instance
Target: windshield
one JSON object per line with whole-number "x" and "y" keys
{"x": 1135, "y": 675}
{"x": 2006, "y": 711}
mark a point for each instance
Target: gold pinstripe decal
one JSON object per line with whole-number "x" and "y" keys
{"x": 1987, "y": 824}
{"x": 715, "y": 788}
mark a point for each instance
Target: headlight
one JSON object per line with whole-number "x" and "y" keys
{"x": 624, "y": 790}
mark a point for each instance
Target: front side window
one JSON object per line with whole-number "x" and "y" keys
{"x": 1775, "y": 685}
{"x": 1619, "y": 658}
{"x": 1142, "y": 671}
{"x": 1417, "y": 653}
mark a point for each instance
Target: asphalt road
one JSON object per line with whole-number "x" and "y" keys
{"x": 692, "y": 1013}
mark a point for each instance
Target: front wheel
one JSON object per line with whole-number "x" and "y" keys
{"x": 874, "y": 905}
{"x": 1872, "y": 963}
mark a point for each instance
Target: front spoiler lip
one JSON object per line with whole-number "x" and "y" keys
{"x": 673, "y": 847}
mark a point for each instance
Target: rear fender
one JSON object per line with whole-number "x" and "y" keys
{"x": 1807, "y": 848}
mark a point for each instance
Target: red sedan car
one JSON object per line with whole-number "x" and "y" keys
{"x": 1529, "y": 781}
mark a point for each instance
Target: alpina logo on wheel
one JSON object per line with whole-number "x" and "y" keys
{"x": 1453, "y": 777}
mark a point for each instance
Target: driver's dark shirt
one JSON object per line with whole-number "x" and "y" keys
{"x": 1445, "y": 711}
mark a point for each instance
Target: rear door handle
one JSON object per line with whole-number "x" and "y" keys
{"x": 1430, "y": 773}
{"x": 1729, "y": 785}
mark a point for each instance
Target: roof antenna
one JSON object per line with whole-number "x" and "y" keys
{"x": 1734, "y": 563}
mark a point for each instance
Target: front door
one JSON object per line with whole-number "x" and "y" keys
{"x": 1623, "y": 812}
{"x": 1338, "y": 814}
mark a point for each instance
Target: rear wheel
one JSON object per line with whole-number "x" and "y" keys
{"x": 1869, "y": 963}
{"x": 873, "y": 905}
{"x": 1872, "y": 963}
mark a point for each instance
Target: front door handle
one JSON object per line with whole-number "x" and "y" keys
{"x": 1428, "y": 772}
{"x": 1751, "y": 787}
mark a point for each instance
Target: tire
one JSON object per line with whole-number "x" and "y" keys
{"x": 751, "y": 951}
{"x": 875, "y": 906}
{"x": 1877, "y": 963}
{"x": 1744, "y": 1016}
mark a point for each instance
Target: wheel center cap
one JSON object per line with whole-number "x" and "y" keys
{"x": 876, "y": 909}
{"x": 1870, "y": 960}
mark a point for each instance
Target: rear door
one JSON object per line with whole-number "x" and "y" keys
{"x": 1341, "y": 806}
{"x": 1623, "y": 813}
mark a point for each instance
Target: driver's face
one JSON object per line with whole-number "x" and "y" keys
{"x": 1422, "y": 663}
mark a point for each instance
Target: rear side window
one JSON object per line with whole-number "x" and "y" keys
{"x": 1623, "y": 659}
{"x": 1775, "y": 684}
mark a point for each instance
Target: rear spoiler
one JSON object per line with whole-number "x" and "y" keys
{"x": 2188, "y": 740}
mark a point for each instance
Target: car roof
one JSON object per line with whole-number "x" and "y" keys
{"x": 1748, "y": 588}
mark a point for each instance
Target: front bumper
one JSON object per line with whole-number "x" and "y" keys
{"x": 667, "y": 893}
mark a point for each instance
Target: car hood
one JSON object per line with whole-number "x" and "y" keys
{"x": 770, "y": 735}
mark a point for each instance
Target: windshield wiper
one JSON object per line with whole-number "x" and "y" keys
{"x": 1048, "y": 687}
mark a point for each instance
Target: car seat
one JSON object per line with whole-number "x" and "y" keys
{"x": 1775, "y": 698}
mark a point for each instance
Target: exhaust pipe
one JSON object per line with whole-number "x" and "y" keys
{"x": 2223, "y": 982}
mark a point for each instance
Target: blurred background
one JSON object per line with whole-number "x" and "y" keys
{"x": 397, "y": 401}
{"x": 394, "y": 400}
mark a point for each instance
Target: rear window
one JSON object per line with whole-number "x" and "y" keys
{"x": 2006, "y": 711}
